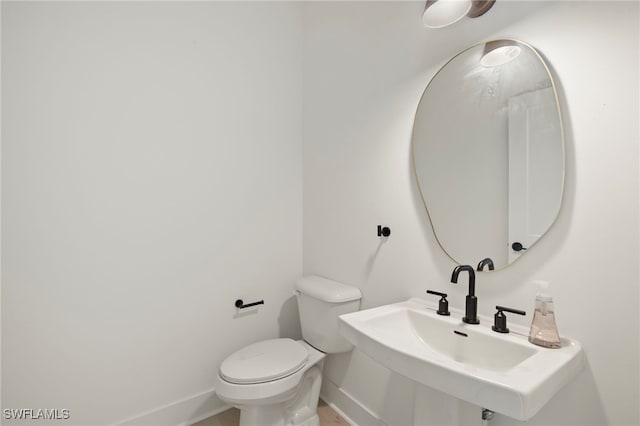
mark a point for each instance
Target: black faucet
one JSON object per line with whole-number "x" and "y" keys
{"x": 485, "y": 262}
{"x": 471, "y": 308}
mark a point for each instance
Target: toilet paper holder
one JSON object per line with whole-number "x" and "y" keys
{"x": 240, "y": 304}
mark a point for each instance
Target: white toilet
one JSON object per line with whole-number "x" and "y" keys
{"x": 277, "y": 382}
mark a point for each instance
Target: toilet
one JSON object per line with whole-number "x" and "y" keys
{"x": 276, "y": 382}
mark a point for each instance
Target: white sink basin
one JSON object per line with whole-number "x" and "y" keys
{"x": 502, "y": 372}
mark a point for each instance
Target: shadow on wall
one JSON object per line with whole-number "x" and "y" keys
{"x": 289, "y": 319}
{"x": 565, "y": 214}
{"x": 367, "y": 272}
{"x": 371, "y": 261}
{"x": 339, "y": 367}
{"x": 391, "y": 403}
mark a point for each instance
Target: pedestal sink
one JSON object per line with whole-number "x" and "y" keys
{"x": 502, "y": 372}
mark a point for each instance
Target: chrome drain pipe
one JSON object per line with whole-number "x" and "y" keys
{"x": 486, "y": 416}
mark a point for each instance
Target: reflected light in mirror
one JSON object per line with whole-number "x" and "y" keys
{"x": 440, "y": 13}
{"x": 499, "y": 52}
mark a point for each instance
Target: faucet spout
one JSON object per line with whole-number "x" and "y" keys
{"x": 472, "y": 277}
{"x": 486, "y": 262}
{"x": 471, "y": 306}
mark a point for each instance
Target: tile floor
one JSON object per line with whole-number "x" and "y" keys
{"x": 231, "y": 417}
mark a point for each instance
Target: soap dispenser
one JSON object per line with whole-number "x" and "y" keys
{"x": 544, "y": 331}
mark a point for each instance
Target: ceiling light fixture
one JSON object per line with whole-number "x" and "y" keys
{"x": 441, "y": 13}
{"x": 499, "y": 52}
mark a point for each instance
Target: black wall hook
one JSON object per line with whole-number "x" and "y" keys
{"x": 517, "y": 246}
{"x": 383, "y": 231}
{"x": 240, "y": 304}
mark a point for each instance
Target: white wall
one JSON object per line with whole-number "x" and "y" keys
{"x": 151, "y": 175}
{"x": 366, "y": 65}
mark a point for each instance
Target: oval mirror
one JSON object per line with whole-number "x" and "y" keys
{"x": 488, "y": 152}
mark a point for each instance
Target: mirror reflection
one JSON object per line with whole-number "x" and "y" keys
{"x": 488, "y": 152}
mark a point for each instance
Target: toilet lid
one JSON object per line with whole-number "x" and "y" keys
{"x": 264, "y": 361}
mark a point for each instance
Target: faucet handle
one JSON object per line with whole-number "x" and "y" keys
{"x": 443, "y": 304}
{"x": 500, "y": 319}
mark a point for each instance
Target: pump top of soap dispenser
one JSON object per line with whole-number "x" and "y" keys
{"x": 543, "y": 291}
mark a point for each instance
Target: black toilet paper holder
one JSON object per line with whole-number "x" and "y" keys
{"x": 240, "y": 304}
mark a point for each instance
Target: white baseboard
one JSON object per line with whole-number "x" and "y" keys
{"x": 198, "y": 407}
{"x": 352, "y": 410}
{"x": 183, "y": 412}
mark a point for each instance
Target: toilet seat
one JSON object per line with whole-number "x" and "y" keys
{"x": 264, "y": 361}
{"x": 266, "y": 393}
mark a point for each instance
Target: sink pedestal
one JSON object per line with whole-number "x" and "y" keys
{"x": 434, "y": 408}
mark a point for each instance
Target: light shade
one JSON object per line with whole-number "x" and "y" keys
{"x": 440, "y": 13}
{"x": 499, "y": 52}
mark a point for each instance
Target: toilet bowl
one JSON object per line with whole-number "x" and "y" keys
{"x": 276, "y": 382}
{"x": 263, "y": 380}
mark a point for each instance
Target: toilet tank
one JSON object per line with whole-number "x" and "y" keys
{"x": 320, "y": 302}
